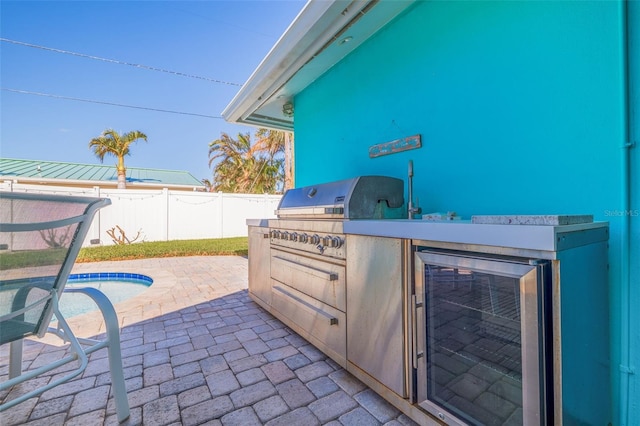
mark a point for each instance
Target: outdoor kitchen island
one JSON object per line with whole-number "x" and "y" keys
{"x": 452, "y": 322}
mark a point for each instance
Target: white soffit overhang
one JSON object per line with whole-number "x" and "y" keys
{"x": 322, "y": 34}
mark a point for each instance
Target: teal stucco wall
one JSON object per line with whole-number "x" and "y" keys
{"x": 521, "y": 109}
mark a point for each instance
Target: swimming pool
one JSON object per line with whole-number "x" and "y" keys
{"x": 117, "y": 286}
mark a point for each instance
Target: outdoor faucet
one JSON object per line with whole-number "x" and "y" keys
{"x": 411, "y": 209}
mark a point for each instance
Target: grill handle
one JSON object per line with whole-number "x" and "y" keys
{"x": 332, "y": 320}
{"x": 329, "y": 276}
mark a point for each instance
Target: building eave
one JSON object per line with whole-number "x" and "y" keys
{"x": 322, "y": 34}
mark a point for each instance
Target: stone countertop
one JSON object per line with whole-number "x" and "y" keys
{"x": 548, "y": 220}
{"x": 263, "y": 223}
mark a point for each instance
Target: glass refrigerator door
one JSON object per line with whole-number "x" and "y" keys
{"x": 479, "y": 325}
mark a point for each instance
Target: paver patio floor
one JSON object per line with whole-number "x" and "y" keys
{"x": 197, "y": 350}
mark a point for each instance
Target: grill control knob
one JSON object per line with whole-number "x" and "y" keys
{"x": 293, "y": 236}
{"x": 314, "y": 239}
{"x": 275, "y": 234}
{"x": 284, "y": 236}
{"x": 337, "y": 242}
{"x": 303, "y": 238}
{"x": 327, "y": 240}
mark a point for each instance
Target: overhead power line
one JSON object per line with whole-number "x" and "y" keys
{"x": 114, "y": 61}
{"x": 93, "y": 101}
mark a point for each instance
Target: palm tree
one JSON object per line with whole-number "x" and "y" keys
{"x": 111, "y": 142}
{"x": 273, "y": 143}
{"x": 208, "y": 185}
{"x": 232, "y": 172}
{"x": 247, "y": 168}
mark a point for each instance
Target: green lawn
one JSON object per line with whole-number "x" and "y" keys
{"x": 210, "y": 247}
{"x": 26, "y": 258}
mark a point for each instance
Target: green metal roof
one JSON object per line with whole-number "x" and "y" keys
{"x": 52, "y": 171}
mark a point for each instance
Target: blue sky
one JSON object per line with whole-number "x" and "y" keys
{"x": 218, "y": 40}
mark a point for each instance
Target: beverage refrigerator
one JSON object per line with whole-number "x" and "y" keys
{"x": 506, "y": 336}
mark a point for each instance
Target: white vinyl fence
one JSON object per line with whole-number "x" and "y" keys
{"x": 163, "y": 215}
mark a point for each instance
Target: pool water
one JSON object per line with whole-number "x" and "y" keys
{"x": 117, "y": 286}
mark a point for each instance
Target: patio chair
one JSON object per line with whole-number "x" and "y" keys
{"x": 40, "y": 237}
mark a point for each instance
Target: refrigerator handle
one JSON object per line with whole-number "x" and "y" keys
{"x": 545, "y": 338}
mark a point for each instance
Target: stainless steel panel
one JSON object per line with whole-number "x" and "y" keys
{"x": 321, "y": 280}
{"x": 321, "y": 324}
{"x": 259, "y": 265}
{"x": 375, "y": 300}
{"x": 320, "y": 226}
{"x": 323, "y": 212}
{"x": 409, "y": 307}
{"x": 318, "y": 248}
{"x": 531, "y": 386}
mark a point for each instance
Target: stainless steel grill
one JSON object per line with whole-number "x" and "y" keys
{"x": 310, "y": 218}
{"x": 364, "y": 197}
{"x": 308, "y": 254}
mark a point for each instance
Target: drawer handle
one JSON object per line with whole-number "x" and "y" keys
{"x": 329, "y": 276}
{"x": 332, "y": 320}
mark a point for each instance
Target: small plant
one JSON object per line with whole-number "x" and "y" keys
{"x": 53, "y": 240}
{"x": 122, "y": 238}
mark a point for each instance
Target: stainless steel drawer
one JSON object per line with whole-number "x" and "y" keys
{"x": 321, "y": 324}
{"x": 321, "y": 280}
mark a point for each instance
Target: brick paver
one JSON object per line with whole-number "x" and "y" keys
{"x": 197, "y": 350}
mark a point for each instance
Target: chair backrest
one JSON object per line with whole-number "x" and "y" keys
{"x": 40, "y": 237}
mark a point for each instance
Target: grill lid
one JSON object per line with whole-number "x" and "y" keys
{"x": 363, "y": 197}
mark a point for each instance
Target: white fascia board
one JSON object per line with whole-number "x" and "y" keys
{"x": 315, "y": 25}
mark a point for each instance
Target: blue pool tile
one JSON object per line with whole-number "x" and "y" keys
{"x": 110, "y": 276}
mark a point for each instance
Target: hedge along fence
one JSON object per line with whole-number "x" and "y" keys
{"x": 164, "y": 215}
